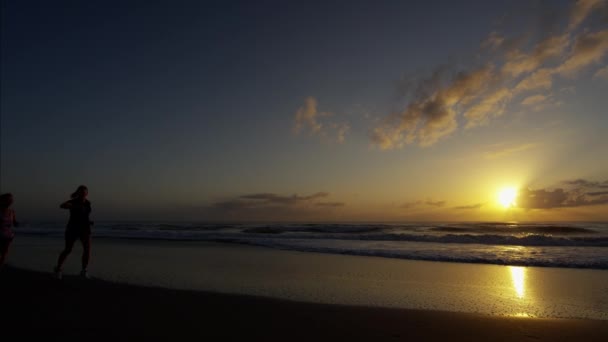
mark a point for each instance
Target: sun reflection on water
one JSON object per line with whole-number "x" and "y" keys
{"x": 518, "y": 275}
{"x": 523, "y": 314}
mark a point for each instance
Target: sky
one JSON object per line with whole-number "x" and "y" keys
{"x": 306, "y": 110}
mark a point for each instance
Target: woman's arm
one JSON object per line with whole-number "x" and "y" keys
{"x": 15, "y": 223}
{"x": 66, "y": 205}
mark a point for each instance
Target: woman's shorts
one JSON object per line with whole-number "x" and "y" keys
{"x": 75, "y": 233}
{"x": 6, "y": 235}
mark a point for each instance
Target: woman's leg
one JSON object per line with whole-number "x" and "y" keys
{"x": 86, "y": 250}
{"x": 4, "y": 245}
{"x": 69, "y": 244}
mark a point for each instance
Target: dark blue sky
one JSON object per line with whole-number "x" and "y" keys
{"x": 163, "y": 105}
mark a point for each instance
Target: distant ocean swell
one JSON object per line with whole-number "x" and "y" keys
{"x": 580, "y": 245}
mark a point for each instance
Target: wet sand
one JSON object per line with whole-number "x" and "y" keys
{"x": 35, "y": 305}
{"x": 333, "y": 279}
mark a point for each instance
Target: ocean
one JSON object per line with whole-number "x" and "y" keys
{"x": 571, "y": 245}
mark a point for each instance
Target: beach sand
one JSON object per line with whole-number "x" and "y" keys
{"x": 180, "y": 290}
{"x": 37, "y": 306}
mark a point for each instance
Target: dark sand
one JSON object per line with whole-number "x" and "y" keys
{"x": 38, "y": 306}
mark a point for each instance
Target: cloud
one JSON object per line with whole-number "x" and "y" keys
{"x": 568, "y": 90}
{"x": 435, "y": 203}
{"x": 540, "y": 79}
{"x": 581, "y": 10}
{"x": 550, "y": 47}
{"x": 507, "y": 69}
{"x": 330, "y": 204}
{"x": 585, "y": 183}
{"x": 270, "y": 206}
{"x": 558, "y": 198}
{"x": 341, "y": 130}
{"x": 577, "y": 195}
{"x": 432, "y": 114}
{"x": 601, "y": 73}
{"x": 493, "y": 41}
{"x": 420, "y": 203}
{"x": 589, "y": 48}
{"x": 309, "y": 118}
{"x": 469, "y": 207}
{"x": 306, "y": 117}
{"x": 491, "y": 106}
{"x": 533, "y": 100}
{"x": 539, "y": 102}
{"x": 411, "y": 204}
{"x": 536, "y": 199}
{"x": 506, "y": 151}
{"x": 268, "y": 198}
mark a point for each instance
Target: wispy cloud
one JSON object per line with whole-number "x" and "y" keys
{"x": 586, "y": 183}
{"x": 309, "y": 118}
{"x": 330, "y": 204}
{"x": 582, "y": 10}
{"x": 519, "y": 62}
{"x": 420, "y": 203}
{"x": 493, "y": 102}
{"x": 533, "y": 100}
{"x": 264, "y": 198}
{"x": 470, "y": 207}
{"x": 431, "y": 115}
{"x": 271, "y": 206}
{"x": 541, "y": 79}
{"x": 503, "y": 151}
{"x": 511, "y": 68}
{"x": 589, "y": 48}
{"x": 436, "y": 203}
{"x": 539, "y": 102}
{"x": 340, "y": 129}
{"x": 601, "y": 73}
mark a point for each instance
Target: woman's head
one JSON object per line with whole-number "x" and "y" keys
{"x": 6, "y": 200}
{"x": 81, "y": 192}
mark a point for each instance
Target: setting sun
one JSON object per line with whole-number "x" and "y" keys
{"x": 506, "y": 197}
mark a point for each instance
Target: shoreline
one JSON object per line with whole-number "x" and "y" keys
{"x": 98, "y": 310}
{"x": 333, "y": 279}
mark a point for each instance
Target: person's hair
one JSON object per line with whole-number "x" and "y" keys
{"x": 4, "y": 199}
{"x": 80, "y": 188}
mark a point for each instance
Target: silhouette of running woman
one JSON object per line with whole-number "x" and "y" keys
{"x": 7, "y": 222}
{"x": 78, "y": 228}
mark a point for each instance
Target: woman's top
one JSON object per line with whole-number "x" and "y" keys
{"x": 79, "y": 214}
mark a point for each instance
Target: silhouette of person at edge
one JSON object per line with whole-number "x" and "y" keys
{"x": 78, "y": 228}
{"x": 7, "y": 222}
